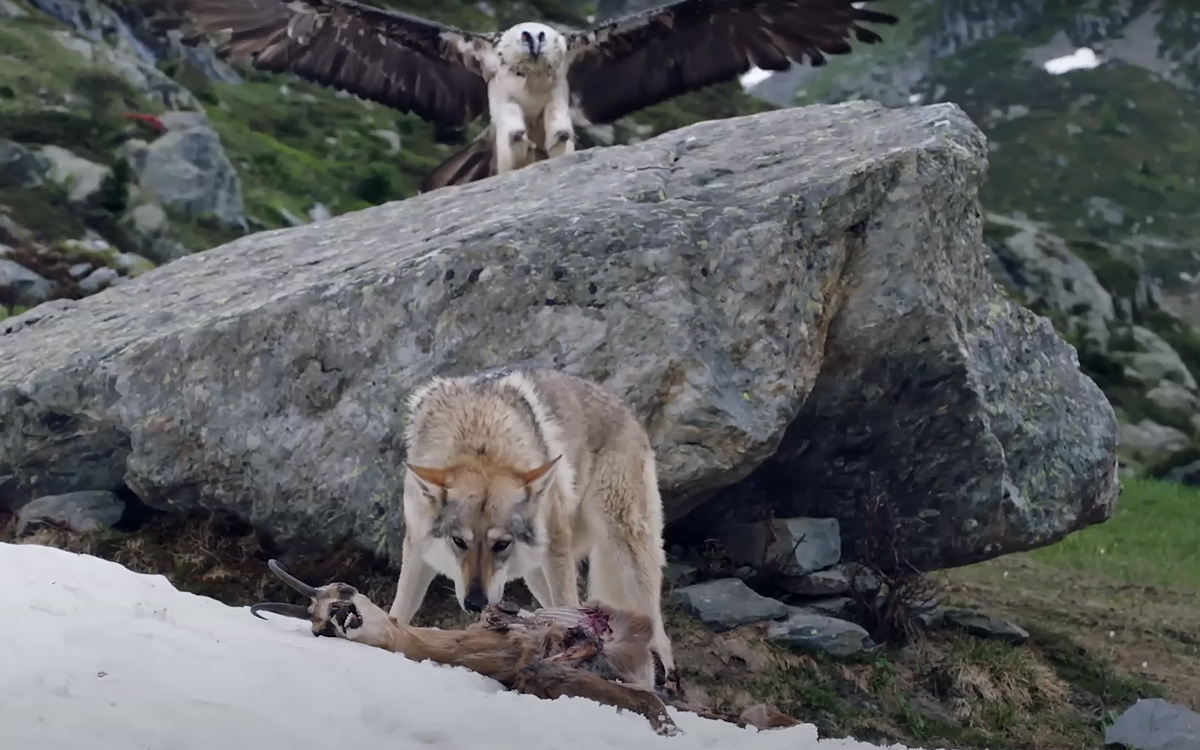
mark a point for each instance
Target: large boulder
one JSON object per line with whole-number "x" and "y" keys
{"x": 796, "y": 304}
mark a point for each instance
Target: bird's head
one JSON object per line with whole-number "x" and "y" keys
{"x": 533, "y": 41}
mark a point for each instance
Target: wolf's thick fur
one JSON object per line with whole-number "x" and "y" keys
{"x": 522, "y": 472}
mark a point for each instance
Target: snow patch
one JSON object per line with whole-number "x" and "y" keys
{"x": 98, "y": 657}
{"x": 754, "y": 76}
{"x": 1081, "y": 59}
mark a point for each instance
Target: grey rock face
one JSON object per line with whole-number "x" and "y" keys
{"x": 1151, "y": 439}
{"x": 1154, "y": 724}
{"x": 187, "y": 168}
{"x": 1042, "y": 268}
{"x": 839, "y": 579}
{"x": 791, "y": 546}
{"x": 809, "y": 631}
{"x": 983, "y": 625}
{"x": 19, "y": 166}
{"x": 20, "y": 286}
{"x": 81, "y": 177}
{"x": 727, "y": 603}
{"x": 801, "y": 295}
{"x": 78, "y": 511}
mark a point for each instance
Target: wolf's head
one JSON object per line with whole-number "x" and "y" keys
{"x": 487, "y": 526}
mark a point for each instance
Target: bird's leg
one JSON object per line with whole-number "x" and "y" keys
{"x": 560, "y": 133}
{"x": 512, "y": 143}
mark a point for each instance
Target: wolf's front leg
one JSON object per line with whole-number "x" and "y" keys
{"x": 413, "y": 583}
{"x": 560, "y": 567}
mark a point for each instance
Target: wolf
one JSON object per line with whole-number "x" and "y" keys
{"x": 522, "y": 472}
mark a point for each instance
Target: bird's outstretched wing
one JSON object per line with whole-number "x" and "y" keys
{"x": 645, "y": 58}
{"x": 408, "y": 63}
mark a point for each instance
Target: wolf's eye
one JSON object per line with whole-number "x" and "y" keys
{"x": 458, "y": 542}
{"x": 500, "y": 545}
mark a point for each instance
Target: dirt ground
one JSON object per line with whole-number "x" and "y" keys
{"x": 1095, "y": 649}
{"x": 1148, "y": 632}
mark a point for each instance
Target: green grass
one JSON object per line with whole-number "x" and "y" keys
{"x": 1044, "y": 162}
{"x": 1151, "y": 540}
{"x": 36, "y": 70}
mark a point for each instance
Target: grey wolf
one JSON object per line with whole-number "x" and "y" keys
{"x": 523, "y": 472}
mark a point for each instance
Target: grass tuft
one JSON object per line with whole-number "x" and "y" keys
{"x": 1151, "y": 540}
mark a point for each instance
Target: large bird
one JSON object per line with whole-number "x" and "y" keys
{"x": 535, "y": 83}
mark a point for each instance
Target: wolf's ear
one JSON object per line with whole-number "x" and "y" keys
{"x": 537, "y": 480}
{"x": 432, "y": 481}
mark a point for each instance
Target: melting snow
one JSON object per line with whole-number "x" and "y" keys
{"x": 1081, "y": 59}
{"x": 97, "y": 657}
{"x": 754, "y": 76}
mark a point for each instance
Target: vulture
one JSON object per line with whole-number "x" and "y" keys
{"x": 536, "y": 84}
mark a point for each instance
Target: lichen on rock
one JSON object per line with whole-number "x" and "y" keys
{"x": 842, "y": 327}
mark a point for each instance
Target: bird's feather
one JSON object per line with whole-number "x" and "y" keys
{"x": 408, "y": 63}
{"x": 642, "y": 59}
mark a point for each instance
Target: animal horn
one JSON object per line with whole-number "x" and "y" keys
{"x": 281, "y": 573}
{"x": 279, "y": 608}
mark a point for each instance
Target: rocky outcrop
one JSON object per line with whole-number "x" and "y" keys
{"x": 1154, "y": 724}
{"x": 796, "y": 304}
{"x": 186, "y": 168}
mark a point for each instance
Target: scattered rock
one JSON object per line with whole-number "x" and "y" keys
{"x": 835, "y": 606}
{"x": 1187, "y": 474}
{"x": 148, "y": 223}
{"x": 187, "y": 168}
{"x": 1151, "y": 439}
{"x": 390, "y": 137}
{"x": 149, "y": 219}
{"x": 791, "y": 546}
{"x": 1157, "y": 360}
{"x": 679, "y": 573}
{"x": 727, "y": 603}
{"x": 201, "y": 57}
{"x": 13, "y": 233}
{"x": 101, "y": 278}
{"x": 132, "y": 264}
{"x": 83, "y": 511}
{"x": 20, "y": 167}
{"x": 81, "y": 177}
{"x": 319, "y": 212}
{"x": 20, "y": 286}
{"x": 9, "y": 9}
{"x": 1155, "y": 724}
{"x": 930, "y": 615}
{"x": 983, "y": 625}
{"x": 1042, "y": 269}
{"x": 832, "y": 581}
{"x": 804, "y": 630}
{"x": 923, "y": 382}
{"x": 99, "y": 34}
{"x": 1170, "y": 395}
